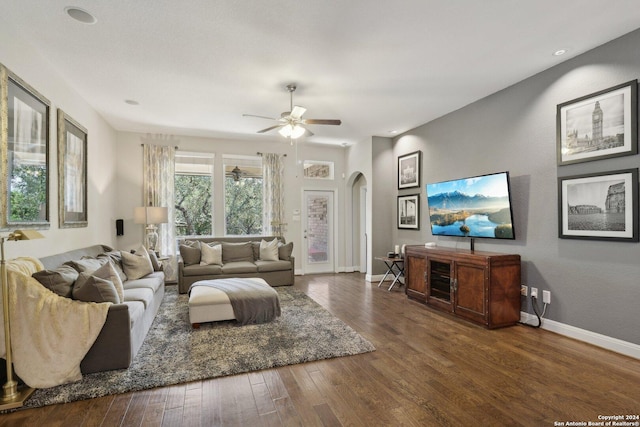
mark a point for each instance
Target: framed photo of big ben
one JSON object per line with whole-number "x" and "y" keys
{"x": 598, "y": 126}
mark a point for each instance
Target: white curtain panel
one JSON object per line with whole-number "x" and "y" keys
{"x": 273, "y": 194}
{"x": 158, "y": 186}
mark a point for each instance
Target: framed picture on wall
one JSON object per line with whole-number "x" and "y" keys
{"x": 409, "y": 212}
{"x": 409, "y": 170}
{"x": 24, "y": 150}
{"x": 598, "y": 126}
{"x": 72, "y": 172}
{"x": 599, "y": 206}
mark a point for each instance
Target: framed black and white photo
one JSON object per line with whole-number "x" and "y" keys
{"x": 72, "y": 172}
{"x": 409, "y": 212}
{"x": 599, "y": 206}
{"x": 598, "y": 126}
{"x": 24, "y": 154}
{"x": 409, "y": 170}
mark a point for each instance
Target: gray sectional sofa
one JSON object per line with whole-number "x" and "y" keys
{"x": 127, "y": 323}
{"x": 240, "y": 258}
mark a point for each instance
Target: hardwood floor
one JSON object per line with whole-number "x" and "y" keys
{"x": 428, "y": 370}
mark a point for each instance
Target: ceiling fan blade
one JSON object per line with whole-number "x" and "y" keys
{"x": 322, "y": 122}
{"x": 297, "y": 112}
{"x": 260, "y": 117}
{"x": 307, "y": 132}
{"x": 270, "y": 128}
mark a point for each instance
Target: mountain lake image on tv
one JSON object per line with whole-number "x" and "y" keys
{"x": 472, "y": 207}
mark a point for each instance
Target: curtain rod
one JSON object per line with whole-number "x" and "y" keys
{"x": 260, "y": 154}
{"x": 176, "y": 147}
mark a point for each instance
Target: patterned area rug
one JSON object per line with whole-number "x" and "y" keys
{"x": 174, "y": 353}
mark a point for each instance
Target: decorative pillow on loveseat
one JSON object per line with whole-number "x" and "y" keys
{"x": 89, "y": 288}
{"x": 237, "y": 252}
{"x": 269, "y": 250}
{"x": 190, "y": 252}
{"x": 285, "y": 251}
{"x": 116, "y": 259}
{"x": 59, "y": 280}
{"x": 87, "y": 264}
{"x": 210, "y": 254}
{"x": 154, "y": 261}
{"x": 137, "y": 265}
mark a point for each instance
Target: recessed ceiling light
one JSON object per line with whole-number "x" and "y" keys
{"x": 559, "y": 52}
{"x": 131, "y": 102}
{"x": 80, "y": 15}
{"x": 393, "y": 131}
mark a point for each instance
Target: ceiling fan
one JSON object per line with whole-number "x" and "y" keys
{"x": 291, "y": 124}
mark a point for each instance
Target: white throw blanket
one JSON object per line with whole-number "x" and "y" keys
{"x": 50, "y": 334}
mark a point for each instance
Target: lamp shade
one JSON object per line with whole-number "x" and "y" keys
{"x": 25, "y": 235}
{"x": 151, "y": 215}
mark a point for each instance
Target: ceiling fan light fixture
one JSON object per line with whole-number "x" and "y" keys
{"x": 286, "y": 130}
{"x": 291, "y": 131}
{"x": 297, "y": 132}
{"x": 290, "y": 124}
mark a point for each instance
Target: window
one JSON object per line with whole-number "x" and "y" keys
{"x": 317, "y": 169}
{"x": 193, "y": 194}
{"x": 243, "y": 195}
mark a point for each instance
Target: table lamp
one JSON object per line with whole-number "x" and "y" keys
{"x": 151, "y": 216}
{"x": 12, "y": 396}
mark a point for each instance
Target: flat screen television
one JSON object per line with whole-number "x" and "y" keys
{"x": 478, "y": 206}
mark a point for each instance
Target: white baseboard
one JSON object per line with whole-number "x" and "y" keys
{"x": 604, "y": 341}
{"x": 377, "y": 278}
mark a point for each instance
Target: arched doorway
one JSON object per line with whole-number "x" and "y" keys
{"x": 358, "y": 223}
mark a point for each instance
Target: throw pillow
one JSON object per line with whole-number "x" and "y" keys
{"x": 154, "y": 261}
{"x": 87, "y": 264}
{"x": 190, "y": 255}
{"x": 108, "y": 272}
{"x": 210, "y": 254}
{"x": 255, "y": 246}
{"x": 59, "y": 280}
{"x": 136, "y": 265}
{"x": 269, "y": 250}
{"x": 89, "y": 288}
{"x": 285, "y": 251}
{"x": 152, "y": 257}
{"x": 235, "y": 252}
{"x": 116, "y": 259}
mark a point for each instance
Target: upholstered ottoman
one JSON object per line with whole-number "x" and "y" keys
{"x": 211, "y": 301}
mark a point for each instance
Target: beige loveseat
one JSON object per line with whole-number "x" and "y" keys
{"x": 240, "y": 258}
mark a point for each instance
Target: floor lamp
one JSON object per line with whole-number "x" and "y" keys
{"x": 12, "y": 397}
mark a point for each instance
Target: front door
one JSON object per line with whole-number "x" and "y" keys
{"x": 318, "y": 232}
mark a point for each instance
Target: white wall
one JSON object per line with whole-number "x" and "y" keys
{"x": 359, "y": 162}
{"x": 25, "y": 62}
{"x": 129, "y": 179}
{"x": 373, "y": 159}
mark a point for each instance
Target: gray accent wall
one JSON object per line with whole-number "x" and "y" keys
{"x": 595, "y": 285}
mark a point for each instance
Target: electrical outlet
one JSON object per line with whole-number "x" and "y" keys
{"x": 534, "y": 293}
{"x": 524, "y": 290}
{"x": 546, "y": 297}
